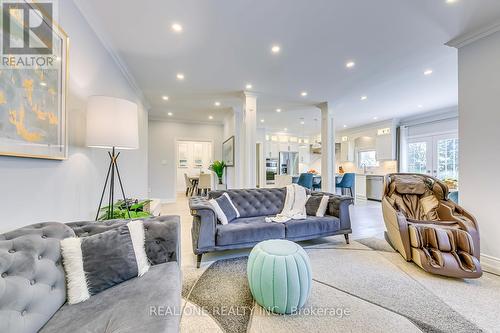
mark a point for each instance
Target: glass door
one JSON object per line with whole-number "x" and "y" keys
{"x": 446, "y": 160}
{"x": 435, "y": 156}
{"x": 419, "y": 155}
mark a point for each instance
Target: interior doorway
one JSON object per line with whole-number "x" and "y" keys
{"x": 193, "y": 158}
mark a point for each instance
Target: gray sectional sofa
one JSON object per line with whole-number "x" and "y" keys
{"x": 254, "y": 205}
{"x": 33, "y": 289}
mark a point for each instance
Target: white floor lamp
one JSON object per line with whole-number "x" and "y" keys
{"x": 112, "y": 123}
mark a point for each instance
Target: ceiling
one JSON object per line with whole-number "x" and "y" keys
{"x": 226, "y": 44}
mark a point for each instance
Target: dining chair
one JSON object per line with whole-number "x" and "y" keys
{"x": 347, "y": 182}
{"x": 189, "y": 185}
{"x": 316, "y": 183}
{"x": 205, "y": 183}
{"x": 306, "y": 180}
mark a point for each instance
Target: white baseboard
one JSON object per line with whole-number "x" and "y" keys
{"x": 490, "y": 264}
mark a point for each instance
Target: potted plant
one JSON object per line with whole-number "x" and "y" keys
{"x": 135, "y": 208}
{"x": 218, "y": 167}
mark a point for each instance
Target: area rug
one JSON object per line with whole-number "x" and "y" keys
{"x": 355, "y": 288}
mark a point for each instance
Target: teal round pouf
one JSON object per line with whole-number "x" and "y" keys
{"x": 279, "y": 275}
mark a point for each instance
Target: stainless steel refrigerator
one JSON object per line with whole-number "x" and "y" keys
{"x": 289, "y": 163}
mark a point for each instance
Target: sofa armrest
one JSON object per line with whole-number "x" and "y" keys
{"x": 338, "y": 206}
{"x": 162, "y": 235}
{"x": 163, "y": 238}
{"x": 204, "y": 224}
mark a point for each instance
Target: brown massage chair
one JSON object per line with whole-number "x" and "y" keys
{"x": 428, "y": 229}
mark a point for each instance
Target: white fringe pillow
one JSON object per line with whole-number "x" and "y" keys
{"x": 95, "y": 263}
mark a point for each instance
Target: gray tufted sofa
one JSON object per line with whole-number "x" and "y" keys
{"x": 254, "y": 206}
{"x": 33, "y": 289}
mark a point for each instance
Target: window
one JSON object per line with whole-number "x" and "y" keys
{"x": 367, "y": 158}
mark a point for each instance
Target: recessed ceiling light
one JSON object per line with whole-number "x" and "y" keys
{"x": 364, "y": 98}
{"x": 176, "y": 27}
{"x": 180, "y": 76}
{"x": 275, "y": 49}
{"x": 302, "y": 122}
{"x": 165, "y": 98}
{"x": 420, "y": 106}
{"x": 262, "y": 120}
{"x": 451, "y": 1}
{"x": 350, "y": 64}
{"x": 210, "y": 117}
{"x": 303, "y": 94}
{"x": 345, "y": 126}
{"x": 286, "y": 129}
{"x": 170, "y": 114}
{"x": 217, "y": 103}
{"x": 43, "y": 84}
{"x": 428, "y": 72}
{"x": 248, "y": 86}
{"x": 375, "y": 118}
{"x": 278, "y": 110}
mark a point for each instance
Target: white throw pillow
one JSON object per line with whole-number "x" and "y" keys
{"x": 323, "y": 205}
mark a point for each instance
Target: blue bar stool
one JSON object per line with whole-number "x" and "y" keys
{"x": 347, "y": 182}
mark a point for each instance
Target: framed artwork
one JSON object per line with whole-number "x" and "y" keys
{"x": 33, "y": 87}
{"x": 228, "y": 152}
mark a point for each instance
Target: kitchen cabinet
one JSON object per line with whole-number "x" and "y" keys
{"x": 360, "y": 187}
{"x": 347, "y": 151}
{"x": 293, "y": 147}
{"x": 385, "y": 147}
{"x": 272, "y": 150}
{"x": 374, "y": 187}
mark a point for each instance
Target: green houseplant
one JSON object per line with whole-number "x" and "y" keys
{"x": 135, "y": 207}
{"x": 218, "y": 167}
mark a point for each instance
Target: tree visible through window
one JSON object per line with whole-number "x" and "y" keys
{"x": 417, "y": 157}
{"x": 367, "y": 158}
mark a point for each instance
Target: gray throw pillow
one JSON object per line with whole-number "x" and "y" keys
{"x": 98, "y": 262}
{"x": 224, "y": 208}
{"x": 316, "y": 205}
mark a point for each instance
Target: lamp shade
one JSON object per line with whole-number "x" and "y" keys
{"x": 112, "y": 122}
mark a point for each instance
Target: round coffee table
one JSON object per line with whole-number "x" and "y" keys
{"x": 279, "y": 275}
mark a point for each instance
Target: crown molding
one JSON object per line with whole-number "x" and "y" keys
{"x": 114, "y": 55}
{"x": 468, "y": 38}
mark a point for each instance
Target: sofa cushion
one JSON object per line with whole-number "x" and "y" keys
{"x": 248, "y": 230}
{"x": 311, "y": 226}
{"x": 145, "y": 304}
{"x": 224, "y": 208}
{"x": 32, "y": 284}
{"x": 256, "y": 202}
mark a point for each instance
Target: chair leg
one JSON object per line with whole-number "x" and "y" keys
{"x": 350, "y": 191}
{"x": 346, "y": 236}
{"x": 198, "y": 260}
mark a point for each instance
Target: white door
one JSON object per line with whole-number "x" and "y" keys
{"x": 435, "y": 156}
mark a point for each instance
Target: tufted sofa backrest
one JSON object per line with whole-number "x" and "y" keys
{"x": 32, "y": 281}
{"x": 161, "y": 238}
{"x": 256, "y": 202}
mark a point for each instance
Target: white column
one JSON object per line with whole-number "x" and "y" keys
{"x": 237, "y": 170}
{"x": 249, "y": 140}
{"x": 327, "y": 148}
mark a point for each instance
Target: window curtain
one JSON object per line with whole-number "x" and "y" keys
{"x": 403, "y": 148}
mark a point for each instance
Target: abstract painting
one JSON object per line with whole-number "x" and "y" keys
{"x": 32, "y": 101}
{"x": 228, "y": 152}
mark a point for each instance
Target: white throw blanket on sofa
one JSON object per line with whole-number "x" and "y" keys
{"x": 295, "y": 205}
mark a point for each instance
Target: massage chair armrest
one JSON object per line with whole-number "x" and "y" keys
{"x": 397, "y": 229}
{"x": 204, "y": 224}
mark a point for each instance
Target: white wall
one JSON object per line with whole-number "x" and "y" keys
{"x": 162, "y": 152}
{"x": 34, "y": 190}
{"x": 479, "y": 118}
